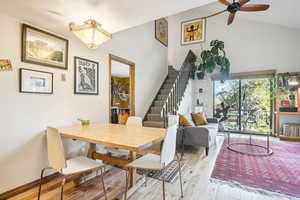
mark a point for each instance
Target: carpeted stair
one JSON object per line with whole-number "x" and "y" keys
{"x": 171, "y": 93}
{"x": 153, "y": 117}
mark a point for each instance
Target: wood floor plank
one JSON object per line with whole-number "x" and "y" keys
{"x": 196, "y": 184}
{"x": 91, "y": 189}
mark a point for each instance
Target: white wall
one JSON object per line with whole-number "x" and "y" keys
{"x": 23, "y": 117}
{"x": 186, "y": 105}
{"x": 250, "y": 46}
{"x": 206, "y": 97}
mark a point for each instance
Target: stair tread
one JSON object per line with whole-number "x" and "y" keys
{"x": 154, "y": 117}
{"x": 150, "y": 121}
{"x": 157, "y": 124}
{"x": 154, "y": 114}
{"x": 164, "y": 90}
{"x": 159, "y": 101}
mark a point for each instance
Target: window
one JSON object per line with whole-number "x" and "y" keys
{"x": 244, "y": 105}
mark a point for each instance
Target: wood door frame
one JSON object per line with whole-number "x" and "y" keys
{"x": 131, "y": 82}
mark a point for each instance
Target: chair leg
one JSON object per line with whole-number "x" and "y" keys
{"x": 163, "y": 184}
{"x": 180, "y": 178}
{"x": 126, "y": 186}
{"x": 62, "y": 189}
{"x": 41, "y": 182}
{"x": 102, "y": 180}
{"x": 97, "y": 173}
{"x": 206, "y": 151}
{"x": 146, "y": 179}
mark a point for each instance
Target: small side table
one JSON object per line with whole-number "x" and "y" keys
{"x": 268, "y": 150}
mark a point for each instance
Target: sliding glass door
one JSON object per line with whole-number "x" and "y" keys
{"x": 244, "y": 105}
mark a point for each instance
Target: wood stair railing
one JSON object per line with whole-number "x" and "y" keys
{"x": 169, "y": 96}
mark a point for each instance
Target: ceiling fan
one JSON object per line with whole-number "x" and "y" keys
{"x": 241, "y": 5}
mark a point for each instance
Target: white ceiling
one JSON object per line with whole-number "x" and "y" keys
{"x": 115, "y": 15}
{"x": 281, "y": 12}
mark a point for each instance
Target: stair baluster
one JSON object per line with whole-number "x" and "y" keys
{"x": 171, "y": 101}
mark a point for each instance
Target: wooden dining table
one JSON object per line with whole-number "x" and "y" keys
{"x": 132, "y": 138}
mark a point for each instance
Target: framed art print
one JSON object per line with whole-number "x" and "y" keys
{"x": 33, "y": 81}
{"x": 86, "y": 76}
{"x": 193, "y": 31}
{"x": 5, "y": 65}
{"x": 43, "y": 48}
{"x": 161, "y": 31}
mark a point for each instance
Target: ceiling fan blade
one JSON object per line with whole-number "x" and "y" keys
{"x": 230, "y": 18}
{"x": 254, "y": 7}
{"x": 243, "y": 2}
{"x": 226, "y": 3}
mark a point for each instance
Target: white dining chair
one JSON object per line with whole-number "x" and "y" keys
{"x": 160, "y": 162}
{"x": 58, "y": 162}
{"x": 131, "y": 121}
{"x": 134, "y": 121}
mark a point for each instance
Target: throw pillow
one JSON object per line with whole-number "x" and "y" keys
{"x": 183, "y": 121}
{"x": 199, "y": 119}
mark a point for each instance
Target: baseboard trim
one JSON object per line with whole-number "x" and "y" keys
{"x": 27, "y": 186}
{"x": 23, "y": 188}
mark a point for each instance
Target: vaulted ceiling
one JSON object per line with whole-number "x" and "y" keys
{"x": 115, "y": 15}
{"x": 281, "y": 12}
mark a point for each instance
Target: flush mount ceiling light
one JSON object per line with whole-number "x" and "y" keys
{"x": 90, "y": 33}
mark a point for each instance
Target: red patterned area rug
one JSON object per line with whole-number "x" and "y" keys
{"x": 277, "y": 174}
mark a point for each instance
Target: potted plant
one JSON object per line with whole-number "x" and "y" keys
{"x": 212, "y": 60}
{"x": 279, "y": 84}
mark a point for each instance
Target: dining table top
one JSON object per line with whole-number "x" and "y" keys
{"x": 132, "y": 138}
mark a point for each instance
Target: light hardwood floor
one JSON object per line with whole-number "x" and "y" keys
{"x": 196, "y": 181}
{"x": 196, "y": 184}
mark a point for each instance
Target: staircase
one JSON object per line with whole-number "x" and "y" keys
{"x": 170, "y": 94}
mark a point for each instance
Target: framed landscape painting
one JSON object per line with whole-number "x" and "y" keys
{"x": 33, "y": 81}
{"x": 193, "y": 31}
{"x": 161, "y": 31}
{"x": 43, "y": 48}
{"x": 86, "y": 76}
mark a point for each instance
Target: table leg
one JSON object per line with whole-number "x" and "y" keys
{"x": 132, "y": 171}
{"x": 268, "y": 143}
{"x": 228, "y": 138}
{"x": 91, "y": 150}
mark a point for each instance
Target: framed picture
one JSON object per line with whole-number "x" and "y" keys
{"x": 43, "y": 48}
{"x": 193, "y": 31}
{"x": 33, "y": 81}
{"x": 86, "y": 76}
{"x": 5, "y": 65}
{"x": 161, "y": 31}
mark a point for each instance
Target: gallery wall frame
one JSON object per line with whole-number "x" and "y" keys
{"x": 44, "y": 48}
{"x": 35, "y": 81}
{"x": 86, "y": 76}
{"x": 195, "y": 34}
{"x": 161, "y": 31}
{"x": 5, "y": 65}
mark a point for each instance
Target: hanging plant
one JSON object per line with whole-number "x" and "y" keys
{"x": 215, "y": 59}
{"x": 280, "y": 84}
{"x": 212, "y": 60}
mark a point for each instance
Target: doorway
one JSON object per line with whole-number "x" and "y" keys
{"x": 122, "y": 89}
{"x": 248, "y": 103}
